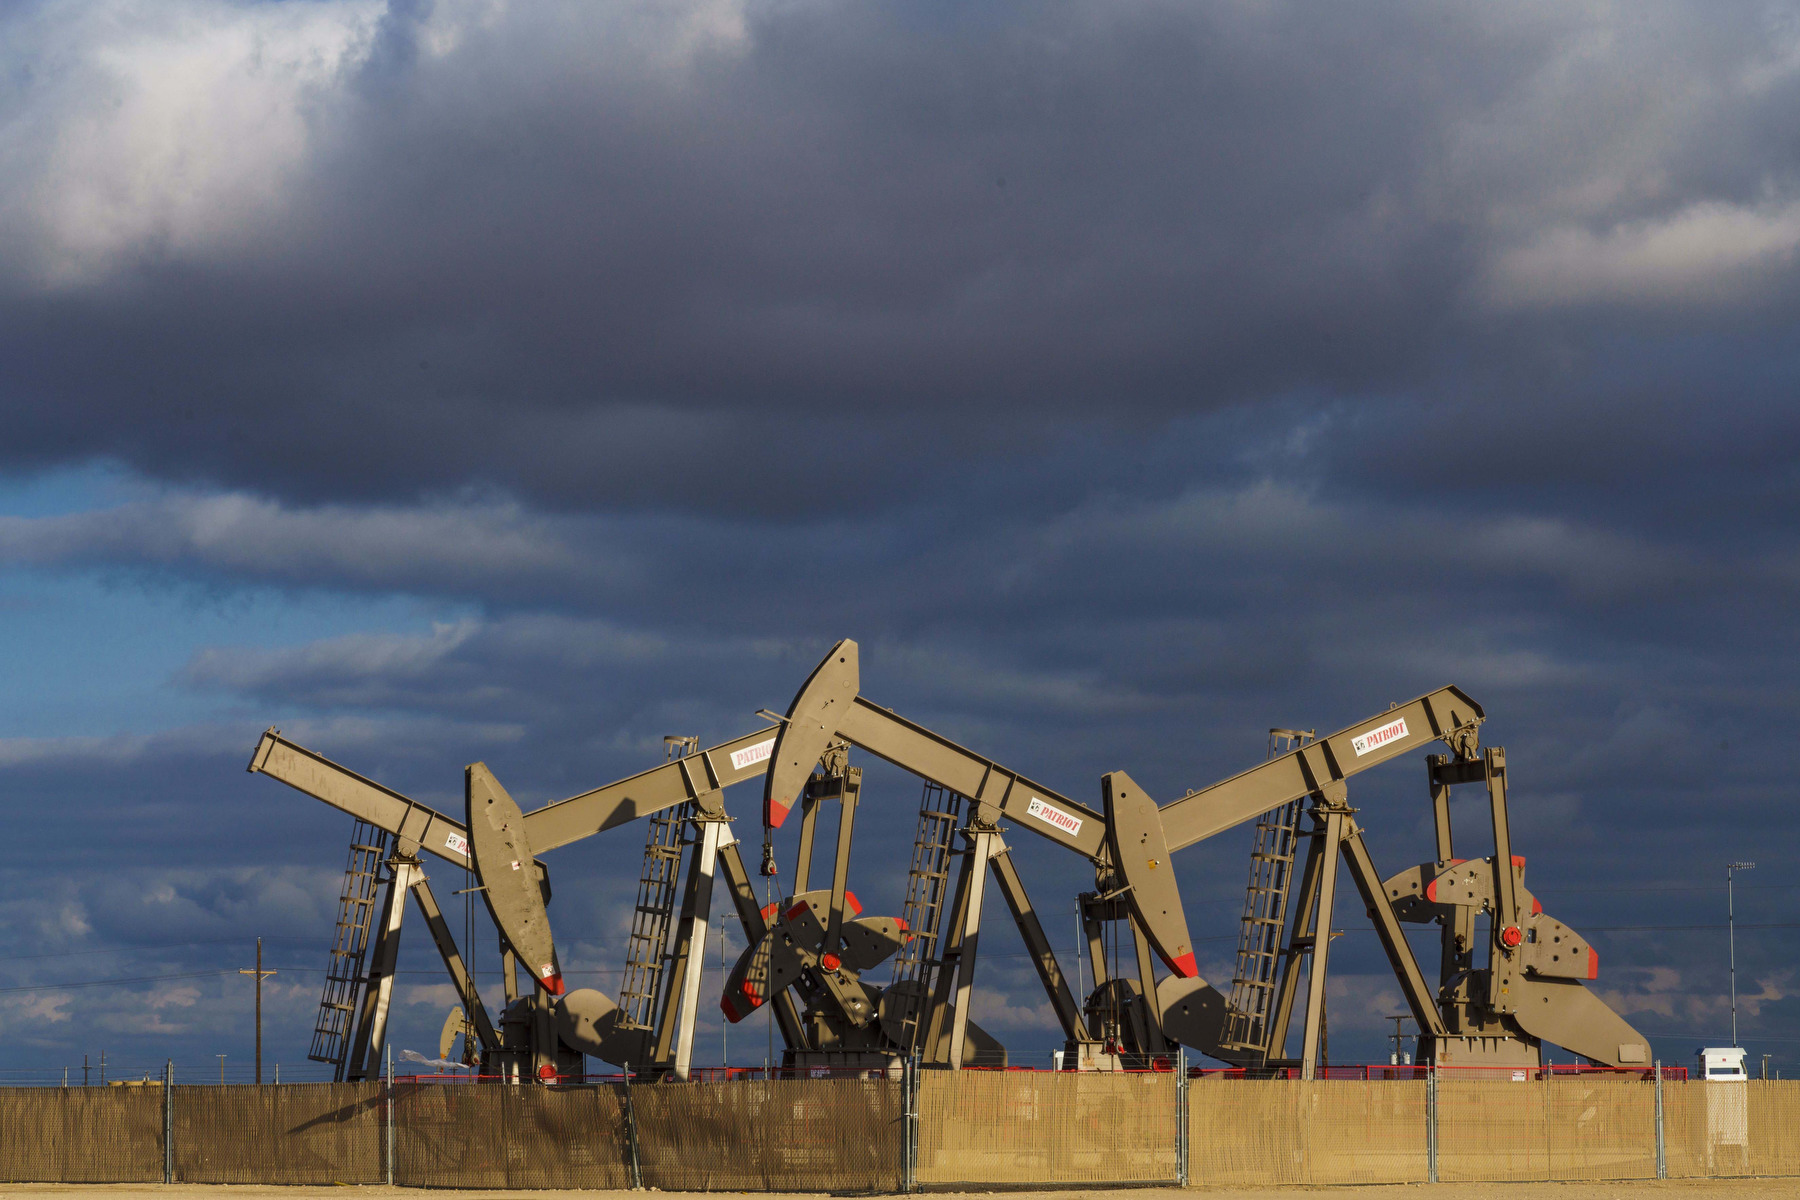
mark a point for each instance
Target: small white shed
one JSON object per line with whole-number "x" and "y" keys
{"x": 1727, "y": 1108}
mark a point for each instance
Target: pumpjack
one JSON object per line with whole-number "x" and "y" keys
{"x": 544, "y": 1032}
{"x": 926, "y": 1008}
{"x": 809, "y": 955}
{"x": 1511, "y": 978}
{"x": 1529, "y": 990}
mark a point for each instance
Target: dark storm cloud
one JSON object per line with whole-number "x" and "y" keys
{"x": 1120, "y": 611}
{"x": 1134, "y": 552}
{"x": 751, "y": 256}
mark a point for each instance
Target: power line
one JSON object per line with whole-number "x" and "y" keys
{"x": 87, "y": 983}
{"x": 1680, "y": 887}
{"x": 1680, "y": 928}
{"x": 233, "y": 941}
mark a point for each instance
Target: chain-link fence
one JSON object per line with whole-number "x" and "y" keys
{"x": 1022, "y": 1127}
{"x": 831, "y": 1135}
{"x": 1541, "y": 1127}
{"x": 1732, "y": 1128}
{"x": 1774, "y": 1128}
{"x": 288, "y": 1133}
{"x": 499, "y": 1136}
{"x": 81, "y": 1135}
{"x": 1255, "y": 1131}
{"x": 1512, "y": 1125}
{"x": 930, "y": 1130}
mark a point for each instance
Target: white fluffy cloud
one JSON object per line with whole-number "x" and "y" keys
{"x": 1710, "y": 253}
{"x": 148, "y": 130}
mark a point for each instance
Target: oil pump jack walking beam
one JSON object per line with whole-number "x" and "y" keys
{"x": 1446, "y": 715}
{"x": 584, "y": 1019}
{"x": 830, "y": 709}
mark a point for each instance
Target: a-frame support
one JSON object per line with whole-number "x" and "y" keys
{"x": 378, "y": 991}
{"x": 406, "y": 875}
{"x": 1336, "y": 834}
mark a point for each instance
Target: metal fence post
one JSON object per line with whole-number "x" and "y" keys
{"x": 637, "y": 1174}
{"x": 909, "y": 1101}
{"x": 1549, "y": 1141}
{"x": 390, "y": 1116}
{"x": 1181, "y": 1118}
{"x": 168, "y": 1121}
{"x": 1662, "y": 1155}
{"x": 1431, "y": 1122}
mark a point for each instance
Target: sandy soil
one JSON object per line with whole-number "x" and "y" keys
{"x": 1675, "y": 1189}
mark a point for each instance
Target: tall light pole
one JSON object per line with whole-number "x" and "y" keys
{"x": 1731, "y": 935}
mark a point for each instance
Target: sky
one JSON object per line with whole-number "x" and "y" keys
{"x": 522, "y": 383}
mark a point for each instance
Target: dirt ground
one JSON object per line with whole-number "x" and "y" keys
{"x": 1682, "y": 1189}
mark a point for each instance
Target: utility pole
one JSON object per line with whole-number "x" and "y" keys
{"x": 221, "y": 1059}
{"x": 1399, "y": 1036}
{"x": 1731, "y": 936}
{"x": 259, "y": 973}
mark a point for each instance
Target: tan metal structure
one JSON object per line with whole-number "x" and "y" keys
{"x": 807, "y": 954}
{"x": 819, "y": 944}
{"x": 1530, "y": 989}
{"x": 549, "y": 1028}
{"x": 1264, "y": 921}
{"x": 1498, "y": 1012}
{"x": 828, "y": 711}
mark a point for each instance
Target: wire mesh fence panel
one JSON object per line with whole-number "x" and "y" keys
{"x": 1245, "y": 1131}
{"x": 81, "y": 1135}
{"x": 502, "y": 1136}
{"x": 822, "y": 1135}
{"x": 1706, "y": 1129}
{"x": 1684, "y": 1129}
{"x": 1490, "y": 1129}
{"x": 566, "y": 1137}
{"x": 290, "y": 1133}
{"x": 1600, "y": 1126}
{"x": 450, "y": 1135}
{"x": 1278, "y": 1131}
{"x": 1774, "y": 1126}
{"x": 1012, "y": 1127}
